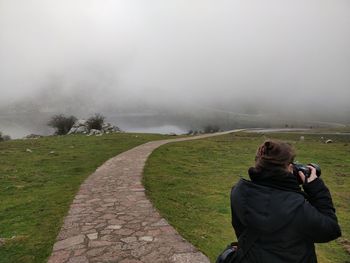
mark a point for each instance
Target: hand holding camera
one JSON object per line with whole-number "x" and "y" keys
{"x": 311, "y": 177}
{"x": 306, "y": 173}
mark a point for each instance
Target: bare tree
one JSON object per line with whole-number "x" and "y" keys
{"x": 61, "y": 123}
{"x": 96, "y": 122}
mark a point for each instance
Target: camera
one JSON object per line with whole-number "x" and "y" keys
{"x": 298, "y": 167}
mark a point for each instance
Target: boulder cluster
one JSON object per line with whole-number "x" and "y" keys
{"x": 82, "y": 127}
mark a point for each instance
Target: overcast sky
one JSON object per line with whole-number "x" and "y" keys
{"x": 275, "y": 54}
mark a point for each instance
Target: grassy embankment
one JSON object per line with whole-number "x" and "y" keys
{"x": 36, "y": 188}
{"x": 190, "y": 182}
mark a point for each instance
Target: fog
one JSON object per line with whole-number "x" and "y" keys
{"x": 175, "y": 63}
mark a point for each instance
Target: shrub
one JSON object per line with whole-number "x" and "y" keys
{"x": 61, "y": 123}
{"x": 211, "y": 128}
{"x": 95, "y": 122}
{"x": 4, "y": 137}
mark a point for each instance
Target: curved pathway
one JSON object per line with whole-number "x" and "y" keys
{"x": 112, "y": 220}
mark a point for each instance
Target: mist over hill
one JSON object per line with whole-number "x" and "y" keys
{"x": 32, "y": 114}
{"x": 176, "y": 64}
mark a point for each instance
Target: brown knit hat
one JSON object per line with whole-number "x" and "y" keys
{"x": 274, "y": 153}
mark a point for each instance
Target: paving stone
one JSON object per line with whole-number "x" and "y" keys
{"x": 164, "y": 250}
{"x": 130, "y": 261}
{"x": 154, "y": 232}
{"x": 106, "y": 231}
{"x": 190, "y": 258}
{"x": 99, "y": 243}
{"x": 128, "y": 239}
{"x": 79, "y": 259}
{"x": 139, "y": 233}
{"x": 93, "y": 200}
{"x": 86, "y": 228}
{"x": 92, "y": 236}
{"x": 146, "y": 238}
{"x": 110, "y": 200}
{"x": 116, "y": 222}
{"x": 124, "y": 232}
{"x": 95, "y": 252}
{"x": 59, "y": 256}
{"x": 100, "y": 226}
{"x": 141, "y": 251}
{"x": 114, "y": 227}
{"x": 153, "y": 257}
{"x": 161, "y": 222}
{"x": 79, "y": 252}
{"x": 108, "y": 216}
{"x": 110, "y": 238}
{"x": 69, "y": 242}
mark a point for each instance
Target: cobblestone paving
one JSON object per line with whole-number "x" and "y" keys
{"x": 111, "y": 219}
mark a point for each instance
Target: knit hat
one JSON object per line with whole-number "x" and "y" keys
{"x": 274, "y": 153}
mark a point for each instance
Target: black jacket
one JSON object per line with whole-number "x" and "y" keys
{"x": 288, "y": 225}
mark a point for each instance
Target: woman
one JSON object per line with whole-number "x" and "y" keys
{"x": 273, "y": 218}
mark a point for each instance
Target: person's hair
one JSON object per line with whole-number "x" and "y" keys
{"x": 274, "y": 153}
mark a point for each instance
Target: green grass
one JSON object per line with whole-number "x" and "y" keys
{"x": 190, "y": 183}
{"x": 36, "y": 188}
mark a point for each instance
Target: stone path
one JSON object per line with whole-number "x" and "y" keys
{"x": 111, "y": 219}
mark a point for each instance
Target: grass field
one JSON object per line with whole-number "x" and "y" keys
{"x": 37, "y": 187}
{"x": 190, "y": 182}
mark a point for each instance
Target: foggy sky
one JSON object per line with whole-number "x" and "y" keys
{"x": 274, "y": 56}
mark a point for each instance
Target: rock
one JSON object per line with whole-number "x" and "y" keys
{"x": 76, "y": 130}
{"x": 94, "y": 132}
{"x": 82, "y": 129}
{"x": 80, "y": 123}
{"x": 79, "y": 127}
{"x": 329, "y": 141}
{"x": 72, "y": 130}
{"x": 108, "y": 127}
